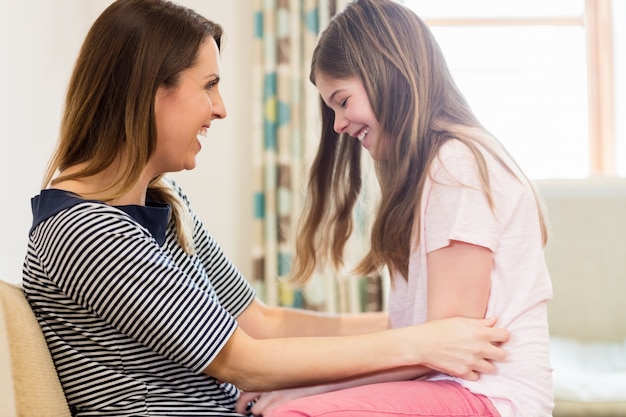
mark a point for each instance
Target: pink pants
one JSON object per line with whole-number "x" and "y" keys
{"x": 403, "y": 398}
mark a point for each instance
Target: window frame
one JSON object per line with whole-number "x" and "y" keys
{"x": 597, "y": 23}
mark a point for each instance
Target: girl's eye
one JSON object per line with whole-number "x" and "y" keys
{"x": 343, "y": 103}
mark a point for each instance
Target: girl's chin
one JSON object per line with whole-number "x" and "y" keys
{"x": 366, "y": 145}
{"x": 375, "y": 154}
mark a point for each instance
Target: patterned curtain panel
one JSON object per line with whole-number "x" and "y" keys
{"x": 285, "y": 135}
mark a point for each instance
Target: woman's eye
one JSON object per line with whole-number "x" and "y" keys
{"x": 212, "y": 83}
{"x": 343, "y": 103}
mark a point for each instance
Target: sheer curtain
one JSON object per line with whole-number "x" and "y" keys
{"x": 285, "y": 135}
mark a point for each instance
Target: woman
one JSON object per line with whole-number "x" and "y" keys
{"x": 459, "y": 225}
{"x": 143, "y": 313}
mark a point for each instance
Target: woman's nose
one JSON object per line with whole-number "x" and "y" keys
{"x": 219, "y": 109}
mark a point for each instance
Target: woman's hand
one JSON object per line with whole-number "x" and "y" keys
{"x": 464, "y": 347}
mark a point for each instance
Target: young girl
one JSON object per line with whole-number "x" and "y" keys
{"x": 458, "y": 225}
{"x": 142, "y": 312}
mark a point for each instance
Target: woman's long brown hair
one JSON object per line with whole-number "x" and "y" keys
{"x": 133, "y": 48}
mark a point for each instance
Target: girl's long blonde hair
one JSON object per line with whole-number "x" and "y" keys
{"x": 133, "y": 48}
{"x": 419, "y": 108}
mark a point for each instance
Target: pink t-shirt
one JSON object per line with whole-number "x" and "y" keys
{"x": 454, "y": 207}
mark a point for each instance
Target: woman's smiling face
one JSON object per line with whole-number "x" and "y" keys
{"x": 184, "y": 113}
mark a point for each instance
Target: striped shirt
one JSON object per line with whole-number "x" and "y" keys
{"x": 131, "y": 320}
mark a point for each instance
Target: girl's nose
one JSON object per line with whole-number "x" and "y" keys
{"x": 340, "y": 124}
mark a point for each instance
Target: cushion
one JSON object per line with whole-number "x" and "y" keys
{"x": 564, "y": 408}
{"x": 35, "y": 384}
{"x": 588, "y": 371}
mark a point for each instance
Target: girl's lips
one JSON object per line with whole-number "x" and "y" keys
{"x": 362, "y": 134}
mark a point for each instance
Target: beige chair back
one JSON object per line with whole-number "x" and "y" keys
{"x": 29, "y": 384}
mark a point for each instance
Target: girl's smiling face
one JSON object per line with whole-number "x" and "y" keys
{"x": 353, "y": 111}
{"x": 184, "y": 112}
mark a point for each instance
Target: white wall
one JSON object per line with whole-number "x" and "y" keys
{"x": 39, "y": 41}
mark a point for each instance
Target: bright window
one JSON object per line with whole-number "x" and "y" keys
{"x": 541, "y": 76}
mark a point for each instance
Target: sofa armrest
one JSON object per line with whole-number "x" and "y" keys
{"x": 586, "y": 257}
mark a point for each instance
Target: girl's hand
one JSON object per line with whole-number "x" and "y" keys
{"x": 264, "y": 402}
{"x": 245, "y": 402}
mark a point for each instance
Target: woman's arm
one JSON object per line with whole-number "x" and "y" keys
{"x": 458, "y": 285}
{"x": 462, "y": 347}
{"x": 262, "y": 322}
{"x": 264, "y": 402}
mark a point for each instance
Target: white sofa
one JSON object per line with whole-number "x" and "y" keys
{"x": 586, "y": 256}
